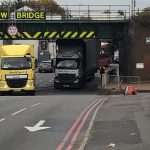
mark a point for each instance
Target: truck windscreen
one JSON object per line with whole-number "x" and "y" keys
{"x": 68, "y": 64}
{"x": 16, "y": 63}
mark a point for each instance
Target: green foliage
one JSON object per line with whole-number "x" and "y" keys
{"x": 143, "y": 16}
{"x": 50, "y": 6}
{"x": 144, "y": 12}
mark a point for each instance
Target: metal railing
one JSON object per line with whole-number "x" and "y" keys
{"x": 82, "y": 12}
{"x": 120, "y": 82}
{"x": 97, "y": 12}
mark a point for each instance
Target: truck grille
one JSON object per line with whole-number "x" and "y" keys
{"x": 16, "y": 83}
{"x": 66, "y": 77}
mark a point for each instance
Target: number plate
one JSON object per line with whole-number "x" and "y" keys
{"x": 66, "y": 85}
{"x": 17, "y": 90}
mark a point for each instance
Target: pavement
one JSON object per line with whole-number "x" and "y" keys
{"x": 115, "y": 90}
{"x": 111, "y": 87}
{"x": 123, "y": 123}
{"x": 144, "y": 87}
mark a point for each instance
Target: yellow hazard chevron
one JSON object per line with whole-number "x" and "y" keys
{"x": 67, "y": 34}
{"x": 13, "y": 36}
{"x": 52, "y": 34}
{"x": 1, "y": 35}
{"x": 49, "y": 35}
{"x": 46, "y": 33}
{"x": 37, "y": 35}
{"x": 90, "y": 35}
{"x": 74, "y": 35}
{"x": 82, "y": 34}
{"x": 27, "y": 35}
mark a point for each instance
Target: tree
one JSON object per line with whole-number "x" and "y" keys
{"x": 143, "y": 16}
{"x": 144, "y": 12}
{"x": 11, "y": 5}
{"x": 49, "y": 6}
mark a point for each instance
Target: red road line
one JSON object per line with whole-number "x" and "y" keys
{"x": 73, "y": 140}
{"x": 61, "y": 145}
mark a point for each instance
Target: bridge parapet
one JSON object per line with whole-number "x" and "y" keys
{"x": 76, "y": 21}
{"x": 70, "y": 12}
{"x": 97, "y": 12}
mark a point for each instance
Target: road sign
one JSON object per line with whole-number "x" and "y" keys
{"x": 43, "y": 45}
{"x": 12, "y": 30}
{"x": 147, "y": 40}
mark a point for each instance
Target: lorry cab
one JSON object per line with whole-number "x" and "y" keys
{"x": 17, "y": 72}
{"x": 76, "y": 61}
{"x": 67, "y": 69}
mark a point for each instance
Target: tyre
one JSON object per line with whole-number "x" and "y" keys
{"x": 40, "y": 71}
{"x": 2, "y": 94}
{"x": 56, "y": 87}
{"x": 92, "y": 77}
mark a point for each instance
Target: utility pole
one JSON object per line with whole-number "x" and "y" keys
{"x": 134, "y": 4}
{"x": 133, "y": 7}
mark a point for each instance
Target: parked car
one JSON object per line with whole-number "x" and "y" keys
{"x": 45, "y": 66}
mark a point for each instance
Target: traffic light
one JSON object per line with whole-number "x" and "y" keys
{"x": 43, "y": 45}
{"x": 102, "y": 70}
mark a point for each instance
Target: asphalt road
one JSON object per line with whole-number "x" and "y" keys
{"x": 52, "y": 119}
{"x": 70, "y": 119}
{"x": 45, "y": 86}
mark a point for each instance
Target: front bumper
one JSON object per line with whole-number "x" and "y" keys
{"x": 30, "y": 86}
{"x": 65, "y": 84}
{"x": 45, "y": 69}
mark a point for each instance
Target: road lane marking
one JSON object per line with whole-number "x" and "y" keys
{"x": 51, "y": 80}
{"x": 86, "y": 137}
{"x": 17, "y": 112}
{"x": 2, "y": 119}
{"x": 45, "y": 85}
{"x": 35, "y": 105}
{"x": 37, "y": 127}
{"x": 2, "y": 98}
{"x": 61, "y": 145}
{"x": 74, "y": 138}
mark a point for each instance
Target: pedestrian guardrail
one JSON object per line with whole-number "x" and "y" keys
{"x": 120, "y": 82}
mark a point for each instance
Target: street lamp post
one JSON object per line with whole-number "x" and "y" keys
{"x": 131, "y": 7}
{"x": 133, "y": 4}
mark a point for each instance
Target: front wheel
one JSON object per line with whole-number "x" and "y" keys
{"x": 2, "y": 94}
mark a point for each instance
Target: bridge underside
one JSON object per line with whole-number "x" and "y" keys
{"x": 38, "y": 30}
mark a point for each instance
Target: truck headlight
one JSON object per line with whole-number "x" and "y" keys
{"x": 3, "y": 85}
{"x": 56, "y": 80}
{"x": 30, "y": 84}
{"x": 76, "y": 81}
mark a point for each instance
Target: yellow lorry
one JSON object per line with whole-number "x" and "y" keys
{"x": 17, "y": 69}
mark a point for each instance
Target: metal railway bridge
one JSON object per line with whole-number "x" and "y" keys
{"x": 87, "y": 22}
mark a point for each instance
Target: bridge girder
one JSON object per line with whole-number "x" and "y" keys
{"x": 38, "y": 30}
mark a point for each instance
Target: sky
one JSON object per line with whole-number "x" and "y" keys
{"x": 139, "y": 3}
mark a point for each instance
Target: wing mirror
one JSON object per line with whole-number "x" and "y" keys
{"x": 53, "y": 62}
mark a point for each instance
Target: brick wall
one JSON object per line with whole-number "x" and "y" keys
{"x": 133, "y": 50}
